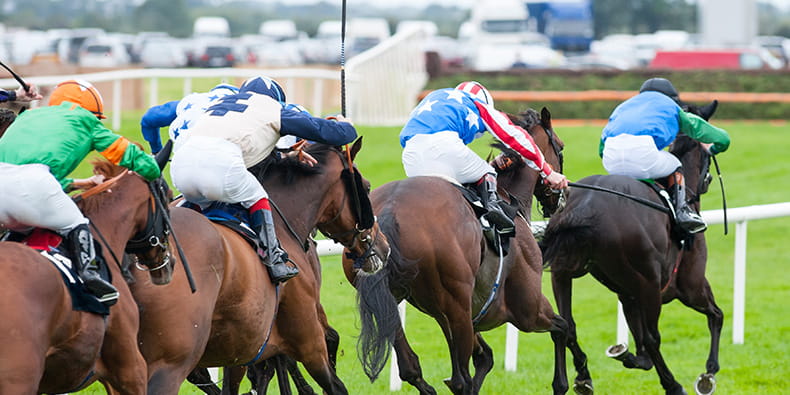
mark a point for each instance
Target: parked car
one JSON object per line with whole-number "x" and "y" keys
{"x": 103, "y": 52}
{"x": 163, "y": 53}
{"x": 214, "y": 54}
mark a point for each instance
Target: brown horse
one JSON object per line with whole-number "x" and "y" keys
{"x": 634, "y": 254}
{"x": 230, "y": 320}
{"x": 441, "y": 263}
{"x": 48, "y": 346}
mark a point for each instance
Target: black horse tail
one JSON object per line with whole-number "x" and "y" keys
{"x": 378, "y": 308}
{"x": 565, "y": 238}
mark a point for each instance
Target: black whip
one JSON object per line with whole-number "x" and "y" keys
{"x": 637, "y": 199}
{"x": 343, "y": 60}
{"x": 166, "y": 216}
{"x": 723, "y": 199}
{"x": 19, "y": 79}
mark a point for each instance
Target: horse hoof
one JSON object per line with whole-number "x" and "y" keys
{"x": 617, "y": 351}
{"x": 705, "y": 384}
{"x": 583, "y": 387}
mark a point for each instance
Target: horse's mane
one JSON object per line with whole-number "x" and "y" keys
{"x": 527, "y": 120}
{"x": 108, "y": 170}
{"x": 682, "y": 145}
{"x": 291, "y": 169}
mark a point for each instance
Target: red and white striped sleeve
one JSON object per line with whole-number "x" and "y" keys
{"x": 514, "y": 137}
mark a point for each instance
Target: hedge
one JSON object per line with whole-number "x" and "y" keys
{"x": 689, "y": 81}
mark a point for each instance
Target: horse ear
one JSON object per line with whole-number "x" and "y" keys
{"x": 706, "y": 112}
{"x": 164, "y": 155}
{"x": 356, "y": 147}
{"x": 545, "y": 118}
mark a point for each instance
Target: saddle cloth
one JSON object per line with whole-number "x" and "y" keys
{"x": 47, "y": 243}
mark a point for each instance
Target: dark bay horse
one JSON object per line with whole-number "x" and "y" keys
{"x": 50, "y": 348}
{"x": 230, "y": 320}
{"x": 441, "y": 264}
{"x": 629, "y": 248}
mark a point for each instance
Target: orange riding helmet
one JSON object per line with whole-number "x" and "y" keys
{"x": 80, "y": 92}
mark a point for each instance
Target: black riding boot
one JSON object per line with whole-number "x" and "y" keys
{"x": 495, "y": 216}
{"x": 685, "y": 216}
{"x": 80, "y": 242}
{"x": 273, "y": 256}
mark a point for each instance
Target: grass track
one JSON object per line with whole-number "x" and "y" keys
{"x": 756, "y": 171}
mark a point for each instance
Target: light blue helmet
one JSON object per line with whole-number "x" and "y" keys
{"x": 296, "y": 107}
{"x": 265, "y": 86}
{"x": 223, "y": 90}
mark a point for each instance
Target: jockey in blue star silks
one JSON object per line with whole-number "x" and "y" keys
{"x": 239, "y": 131}
{"x": 633, "y": 142}
{"x": 178, "y": 115}
{"x": 436, "y": 136}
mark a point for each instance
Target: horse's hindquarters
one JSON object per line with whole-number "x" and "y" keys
{"x": 47, "y": 346}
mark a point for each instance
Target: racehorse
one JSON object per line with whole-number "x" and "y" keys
{"x": 230, "y": 320}
{"x": 48, "y": 346}
{"x": 441, "y": 263}
{"x": 630, "y": 249}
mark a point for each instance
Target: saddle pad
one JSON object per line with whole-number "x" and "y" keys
{"x": 81, "y": 299}
{"x": 234, "y": 217}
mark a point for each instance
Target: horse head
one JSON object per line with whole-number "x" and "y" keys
{"x": 339, "y": 196}
{"x": 142, "y": 204}
{"x": 353, "y": 224}
{"x": 509, "y": 162}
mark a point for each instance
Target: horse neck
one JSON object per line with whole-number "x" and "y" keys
{"x": 299, "y": 202}
{"x": 119, "y": 214}
{"x": 521, "y": 184}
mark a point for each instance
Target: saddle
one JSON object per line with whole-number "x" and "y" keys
{"x": 234, "y": 217}
{"x": 680, "y": 235}
{"x": 495, "y": 238}
{"x": 47, "y": 243}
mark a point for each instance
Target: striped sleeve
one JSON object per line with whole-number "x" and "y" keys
{"x": 514, "y": 137}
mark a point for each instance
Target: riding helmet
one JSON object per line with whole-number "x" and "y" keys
{"x": 477, "y": 90}
{"x": 79, "y": 92}
{"x": 265, "y": 86}
{"x": 661, "y": 85}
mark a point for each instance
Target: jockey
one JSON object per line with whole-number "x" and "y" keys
{"x": 179, "y": 114}
{"x": 236, "y": 133}
{"x": 38, "y": 152}
{"x": 435, "y": 142}
{"x": 633, "y": 142}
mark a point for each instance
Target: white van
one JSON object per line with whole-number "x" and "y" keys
{"x": 211, "y": 26}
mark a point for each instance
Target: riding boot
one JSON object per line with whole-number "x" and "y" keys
{"x": 80, "y": 242}
{"x": 686, "y": 218}
{"x": 273, "y": 256}
{"x": 486, "y": 187}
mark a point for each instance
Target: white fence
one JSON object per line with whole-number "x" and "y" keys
{"x": 383, "y": 82}
{"x": 740, "y": 216}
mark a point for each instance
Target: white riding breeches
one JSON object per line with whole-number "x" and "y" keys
{"x": 638, "y": 157}
{"x": 207, "y": 169}
{"x": 31, "y": 197}
{"x": 443, "y": 154}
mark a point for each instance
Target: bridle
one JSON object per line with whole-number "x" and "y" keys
{"x": 363, "y": 231}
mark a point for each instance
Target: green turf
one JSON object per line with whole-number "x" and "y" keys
{"x": 756, "y": 171}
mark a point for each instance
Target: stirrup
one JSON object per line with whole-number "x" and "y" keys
{"x": 105, "y": 292}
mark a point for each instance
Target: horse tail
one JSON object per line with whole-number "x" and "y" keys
{"x": 378, "y": 312}
{"x": 378, "y": 308}
{"x": 565, "y": 239}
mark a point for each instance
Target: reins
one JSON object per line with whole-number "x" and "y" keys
{"x": 637, "y": 199}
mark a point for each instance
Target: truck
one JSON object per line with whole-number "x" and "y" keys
{"x": 567, "y": 23}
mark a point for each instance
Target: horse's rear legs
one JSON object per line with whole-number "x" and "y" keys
{"x": 562, "y": 285}
{"x": 409, "y": 364}
{"x": 482, "y": 359}
{"x": 620, "y": 352}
